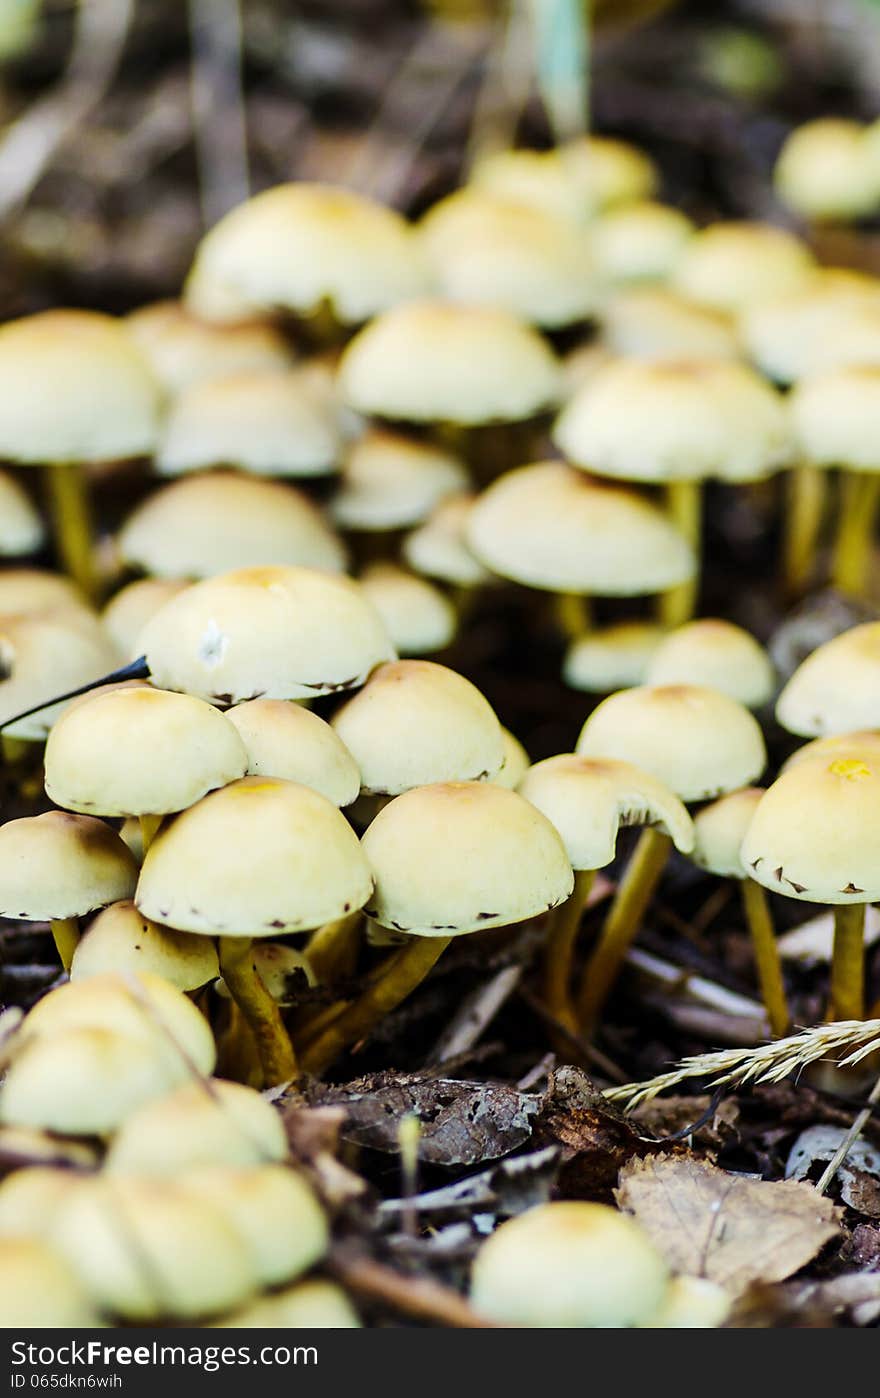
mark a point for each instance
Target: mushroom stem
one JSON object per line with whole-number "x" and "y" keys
{"x": 72, "y": 525}
{"x": 634, "y": 893}
{"x": 848, "y": 963}
{"x": 684, "y": 501}
{"x": 260, "y": 1011}
{"x": 149, "y": 828}
{"x": 332, "y": 949}
{"x": 768, "y": 964}
{"x": 396, "y": 978}
{"x": 573, "y": 614}
{"x": 860, "y": 494}
{"x": 65, "y": 931}
{"x": 806, "y": 491}
{"x": 559, "y": 950}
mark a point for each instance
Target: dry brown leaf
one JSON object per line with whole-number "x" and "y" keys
{"x": 734, "y": 1230}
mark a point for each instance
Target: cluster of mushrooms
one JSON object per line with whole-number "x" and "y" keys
{"x": 271, "y": 813}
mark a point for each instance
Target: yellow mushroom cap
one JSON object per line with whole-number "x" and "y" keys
{"x": 733, "y": 265}
{"x": 273, "y": 632}
{"x": 613, "y": 657}
{"x": 121, "y": 940}
{"x": 259, "y": 857}
{"x": 436, "y": 361}
{"x": 640, "y": 241}
{"x": 299, "y": 245}
{"x": 75, "y": 388}
{"x": 515, "y": 764}
{"x": 265, "y": 422}
{"x": 418, "y": 617}
{"x": 813, "y": 835}
{"x": 836, "y": 417}
{"x": 656, "y": 323}
{"x": 589, "y": 799}
{"x": 416, "y": 722}
{"x": 572, "y": 181}
{"x": 279, "y": 967}
{"x": 200, "y": 1123}
{"x": 569, "y": 1265}
{"x": 716, "y": 654}
{"x": 140, "y": 751}
{"x": 392, "y": 482}
{"x": 682, "y": 420}
{"x": 146, "y": 1248}
{"x": 552, "y": 527}
{"x": 27, "y": 590}
{"x": 40, "y": 1290}
{"x": 182, "y": 350}
{"x": 697, "y": 741}
{"x": 208, "y": 524}
{"x": 128, "y": 612}
{"x": 31, "y": 1199}
{"x": 463, "y": 857}
{"x": 43, "y": 654}
{"x": 282, "y": 739}
{"x": 609, "y": 170}
{"x": 837, "y": 688}
{"x": 720, "y": 830}
{"x": 311, "y": 1305}
{"x": 692, "y": 1303}
{"x": 859, "y": 744}
{"x": 57, "y": 865}
{"x": 825, "y": 170}
{"x": 439, "y": 548}
{"x": 821, "y": 323}
{"x": 21, "y": 527}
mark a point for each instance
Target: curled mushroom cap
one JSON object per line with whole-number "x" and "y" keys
{"x": 44, "y": 654}
{"x": 613, "y": 657}
{"x": 75, "y": 389}
{"x": 716, "y": 654}
{"x": 127, "y": 613}
{"x": 208, "y": 524}
{"x": 463, "y": 857}
{"x": 182, "y": 350}
{"x": 121, "y": 940}
{"x": 140, "y": 751}
{"x": 274, "y": 633}
{"x": 720, "y": 830}
{"x": 439, "y": 548}
{"x": 656, "y": 323}
{"x": 639, "y": 241}
{"x": 836, "y": 417}
{"x": 697, "y": 741}
{"x": 551, "y": 527}
{"x": 826, "y": 170}
{"x": 415, "y": 722}
{"x": 312, "y": 1305}
{"x": 210, "y": 1122}
{"x": 259, "y": 857}
{"x": 55, "y": 866}
{"x": 299, "y": 245}
{"x": 21, "y": 527}
{"x": 695, "y": 419}
{"x": 732, "y": 265}
{"x": 861, "y": 744}
{"x": 282, "y": 739}
{"x": 268, "y": 423}
{"x": 393, "y": 482}
{"x": 814, "y": 832}
{"x": 41, "y": 1290}
{"x": 569, "y": 1264}
{"x": 837, "y": 688}
{"x": 588, "y": 799}
{"x": 435, "y": 361}
{"x": 787, "y": 336}
{"x": 418, "y": 617}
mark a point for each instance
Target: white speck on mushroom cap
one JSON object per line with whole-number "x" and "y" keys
{"x": 213, "y": 645}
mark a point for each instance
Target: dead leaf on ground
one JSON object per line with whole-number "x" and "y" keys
{"x": 858, "y": 1175}
{"x": 728, "y": 1228}
{"x": 314, "y": 1137}
{"x": 669, "y": 1116}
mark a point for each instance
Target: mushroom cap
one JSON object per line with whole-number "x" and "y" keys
{"x": 282, "y": 739}
{"x": 859, "y": 744}
{"x": 182, "y": 350}
{"x": 571, "y": 181}
{"x": 695, "y": 418}
{"x": 638, "y": 242}
{"x": 393, "y": 482}
{"x": 552, "y": 527}
{"x": 418, "y": 617}
{"x": 21, "y": 526}
{"x": 437, "y": 361}
{"x": 716, "y": 654}
{"x": 612, "y": 657}
{"x": 699, "y": 742}
{"x": 58, "y": 865}
{"x": 140, "y": 751}
{"x": 262, "y": 421}
{"x": 207, "y": 524}
{"x": 416, "y": 722}
{"x": 40, "y": 1290}
{"x": 515, "y": 764}
{"x": 75, "y": 388}
{"x": 257, "y": 858}
{"x": 31, "y": 1199}
{"x": 692, "y": 1303}
{"x": 580, "y": 364}
{"x": 273, "y": 1209}
{"x": 825, "y": 170}
{"x": 129, "y": 610}
{"x": 849, "y": 338}
{"x": 733, "y": 265}
{"x": 814, "y": 832}
{"x": 489, "y": 251}
{"x": 652, "y": 322}
{"x": 588, "y": 800}
{"x": 439, "y": 548}
{"x": 273, "y": 632}
{"x": 311, "y": 1305}
{"x": 121, "y": 940}
{"x": 569, "y": 1264}
{"x": 149, "y": 1248}
{"x": 787, "y": 336}
{"x": 836, "y": 417}
{"x": 277, "y": 965}
{"x": 44, "y": 654}
{"x": 463, "y": 857}
{"x": 720, "y": 829}
{"x": 27, "y": 590}
{"x": 299, "y": 245}
{"x": 210, "y": 1122}
{"x": 837, "y": 688}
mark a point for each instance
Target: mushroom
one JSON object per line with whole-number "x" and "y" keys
{"x": 127, "y": 613}
{"x": 717, "y": 655}
{"x": 825, "y": 172}
{"x": 857, "y": 744}
{"x": 419, "y": 618}
{"x": 310, "y": 1305}
{"x": 21, "y": 528}
{"x": 282, "y": 739}
{"x": 210, "y": 1122}
{"x": 31, "y": 1200}
{"x": 837, "y": 688}
{"x": 654, "y": 323}
{"x": 640, "y": 241}
{"x": 183, "y": 350}
{"x": 27, "y": 590}
{"x": 692, "y": 1303}
{"x": 41, "y": 1291}
{"x": 121, "y": 940}
{"x": 40, "y": 653}
{"x": 515, "y": 764}
{"x": 439, "y": 549}
{"x": 391, "y": 482}
{"x": 784, "y": 333}
{"x": 611, "y": 657}
{"x": 730, "y": 266}
{"x": 573, "y": 180}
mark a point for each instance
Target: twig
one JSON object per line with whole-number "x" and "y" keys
{"x": 849, "y": 1139}
{"x": 412, "y": 1296}
{"x": 219, "y": 121}
{"x": 475, "y": 1015}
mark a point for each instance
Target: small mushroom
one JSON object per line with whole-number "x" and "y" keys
{"x": 419, "y": 618}
{"x": 836, "y": 690}
{"x": 717, "y": 655}
{"x": 282, "y": 739}
{"x": 41, "y": 1291}
{"x": 42, "y": 654}
{"x": 129, "y": 610}
{"x": 611, "y": 657}
{"x": 183, "y": 350}
{"x": 120, "y": 940}
{"x": 21, "y": 527}
{"x": 572, "y": 180}
{"x": 732, "y": 265}
{"x": 654, "y": 323}
{"x": 640, "y": 241}
{"x": 392, "y": 482}
{"x": 310, "y": 1305}
{"x": 825, "y": 171}
{"x": 209, "y": 1122}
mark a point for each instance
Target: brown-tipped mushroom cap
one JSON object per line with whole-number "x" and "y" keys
{"x": 837, "y": 688}
{"x": 182, "y": 350}
{"x": 44, "y": 654}
{"x": 21, "y": 527}
{"x": 720, "y": 830}
{"x": 716, "y": 654}
{"x": 733, "y": 265}
{"x": 126, "y": 614}
{"x": 439, "y": 549}
{"x": 56, "y": 866}
{"x": 393, "y": 482}
{"x": 613, "y": 657}
{"x": 199, "y": 1123}
{"x": 656, "y": 324}
{"x": 121, "y": 940}
{"x": 41, "y": 1291}
{"x": 418, "y": 617}
{"x": 282, "y": 739}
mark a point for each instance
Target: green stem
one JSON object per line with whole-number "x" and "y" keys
{"x": 684, "y": 500}
{"x": 332, "y": 949}
{"x": 806, "y": 490}
{"x": 149, "y": 825}
{"x": 72, "y": 524}
{"x": 848, "y": 963}
{"x": 559, "y": 951}
{"x": 260, "y": 1011}
{"x": 768, "y": 963}
{"x": 860, "y": 494}
{"x": 573, "y": 615}
{"x": 65, "y": 930}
